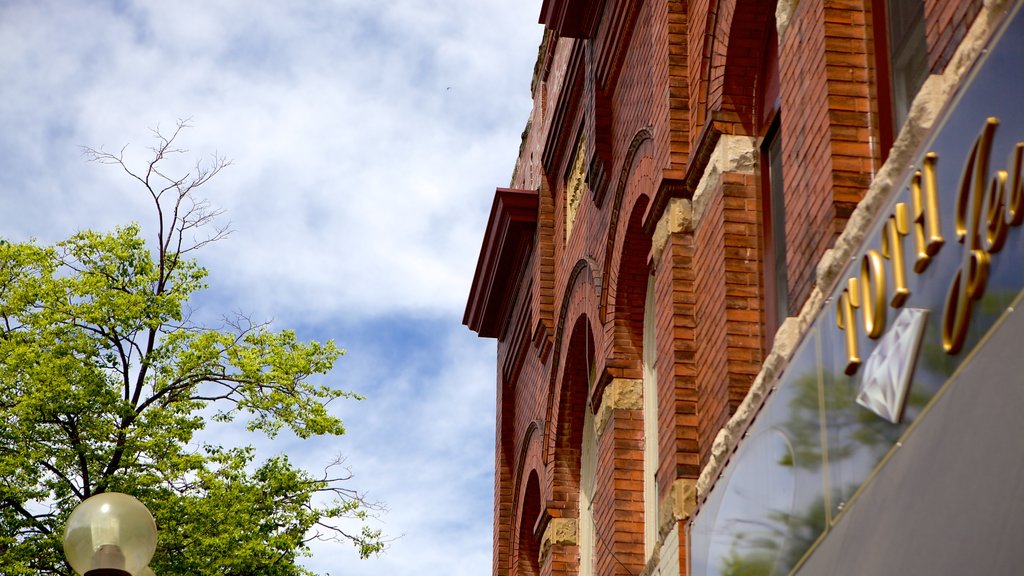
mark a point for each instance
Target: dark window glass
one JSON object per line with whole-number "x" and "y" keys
{"x": 776, "y": 289}
{"x": 908, "y": 54}
{"x": 777, "y": 216}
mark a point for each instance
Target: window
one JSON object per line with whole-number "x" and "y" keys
{"x": 650, "y": 423}
{"x": 588, "y": 474}
{"x": 908, "y": 54}
{"x": 773, "y": 208}
{"x": 529, "y": 562}
{"x": 902, "y": 60}
{"x": 773, "y": 204}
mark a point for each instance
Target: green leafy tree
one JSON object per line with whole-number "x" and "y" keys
{"x": 105, "y": 381}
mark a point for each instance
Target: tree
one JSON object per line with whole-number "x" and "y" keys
{"x": 105, "y": 380}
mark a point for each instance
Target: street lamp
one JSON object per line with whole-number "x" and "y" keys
{"x": 110, "y": 534}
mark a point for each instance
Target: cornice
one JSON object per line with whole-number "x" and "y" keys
{"x": 571, "y": 18}
{"x": 506, "y": 247}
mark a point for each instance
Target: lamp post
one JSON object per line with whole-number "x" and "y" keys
{"x": 110, "y": 534}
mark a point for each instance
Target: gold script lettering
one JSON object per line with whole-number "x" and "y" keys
{"x": 969, "y": 283}
{"x": 872, "y": 278}
{"x": 846, "y": 322}
{"x": 892, "y": 249}
{"x": 1015, "y": 210}
{"x": 924, "y": 194}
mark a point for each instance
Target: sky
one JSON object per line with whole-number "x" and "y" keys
{"x": 366, "y": 139}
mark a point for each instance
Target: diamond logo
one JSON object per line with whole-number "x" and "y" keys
{"x": 888, "y": 369}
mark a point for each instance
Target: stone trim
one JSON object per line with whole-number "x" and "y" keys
{"x": 783, "y": 14}
{"x": 736, "y": 154}
{"x": 677, "y": 217}
{"x": 620, "y": 393}
{"x": 679, "y": 504}
{"x": 558, "y": 531}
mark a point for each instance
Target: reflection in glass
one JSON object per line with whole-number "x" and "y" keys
{"x": 768, "y": 507}
{"x": 753, "y": 518}
{"x": 857, "y": 438}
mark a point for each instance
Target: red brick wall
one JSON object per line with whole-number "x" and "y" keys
{"x": 847, "y": 50}
{"x": 701, "y": 17}
{"x": 675, "y": 82}
{"x": 618, "y": 496}
{"x": 677, "y": 368}
{"x": 628, "y": 291}
{"x": 563, "y": 437}
{"x": 563, "y": 560}
{"x": 744, "y": 310}
{"x": 805, "y": 142}
{"x": 503, "y": 462}
{"x": 712, "y": 374}
{"x": 726, "y": 349}
{"x": 826, "y": 123}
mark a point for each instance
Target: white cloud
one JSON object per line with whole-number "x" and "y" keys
{"x": 367, "y": 137}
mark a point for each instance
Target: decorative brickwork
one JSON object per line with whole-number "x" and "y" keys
{"x": 575, "y": 186}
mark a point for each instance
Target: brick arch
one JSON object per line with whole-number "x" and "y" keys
{"x": 580, "y": 298}
{"x": 564, "y": 434}
{"x": 637, "y": 165}
{"x": 528, "y": 546}
{"x": 702, "y": 28}
{"x": 529, "y": 503}
{"x": 530, "y": 457}
{"x": 740, "y": 28}
{"x": 630, "y": 291}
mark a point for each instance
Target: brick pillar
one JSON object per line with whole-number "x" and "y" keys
{"x": 502, "y": 551}
{"x": 827, "y": 129}
{"x": 712, "y": 371}
{"x": 673, "y": 253}
{"x": 743, "y": 293}
{"x": 618, "y": 495}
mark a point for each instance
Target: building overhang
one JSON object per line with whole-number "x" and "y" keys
{"x": 506, "y": 247}
{"x": 570, "y": 18}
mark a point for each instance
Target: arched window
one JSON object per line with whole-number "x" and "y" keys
{"x": 650, "y": 423}
{"x": 588, "y": 474}
{"x": 529, "y": 561}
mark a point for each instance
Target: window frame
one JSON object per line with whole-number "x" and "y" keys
{"x": 889, "y": 106}
{"x": 772, "y": 201}
{"x": 773, "y": 236}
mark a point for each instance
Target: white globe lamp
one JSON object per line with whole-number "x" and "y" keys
{"x": 110, "y": 534}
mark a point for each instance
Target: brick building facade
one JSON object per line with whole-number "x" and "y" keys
{"x": 694, "y": 181}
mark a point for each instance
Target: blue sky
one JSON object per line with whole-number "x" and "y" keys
{"x": 367, "y": 137}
